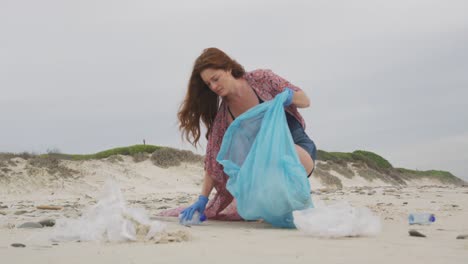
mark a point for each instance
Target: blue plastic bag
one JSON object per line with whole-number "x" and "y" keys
{"x": 266, "y": 176}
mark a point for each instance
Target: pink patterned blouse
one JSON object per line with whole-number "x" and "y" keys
{"x": 223, "y": 206}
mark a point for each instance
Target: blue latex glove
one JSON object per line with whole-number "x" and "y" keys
{"x": 199, "y": 206}
{"x": 288, "y": 101}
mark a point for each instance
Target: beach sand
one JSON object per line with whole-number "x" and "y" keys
{"x": 157, "y": 189}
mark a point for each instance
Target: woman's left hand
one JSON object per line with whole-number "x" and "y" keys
{"x": 289, "y": 99}
{"x": 297, "y": 98}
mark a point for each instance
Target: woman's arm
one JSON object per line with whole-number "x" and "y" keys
{"x": 300, "y": 99}
{"x": 207, "y": 185}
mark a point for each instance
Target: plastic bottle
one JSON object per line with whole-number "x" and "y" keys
{"x": 196, "y": 219}
{"x": 421, "y": 219}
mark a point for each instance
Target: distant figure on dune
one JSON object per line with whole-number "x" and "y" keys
{"x": 220, "y": 90}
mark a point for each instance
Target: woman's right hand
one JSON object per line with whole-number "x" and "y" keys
{"x": 199, "y": 205}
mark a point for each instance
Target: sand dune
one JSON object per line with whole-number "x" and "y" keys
{"x": 75, "y": 185}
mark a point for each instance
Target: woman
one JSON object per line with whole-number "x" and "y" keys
{"x": 219, "y": 90}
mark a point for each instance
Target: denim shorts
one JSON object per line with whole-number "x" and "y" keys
{"x": 301, "y": 138}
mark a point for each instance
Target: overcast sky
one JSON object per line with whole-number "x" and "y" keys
{"x": 384, "y": 76}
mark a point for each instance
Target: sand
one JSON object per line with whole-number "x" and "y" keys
{"x": 157, "y": 189}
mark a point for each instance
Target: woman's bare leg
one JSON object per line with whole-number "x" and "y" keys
{"x": 305, "y": 159}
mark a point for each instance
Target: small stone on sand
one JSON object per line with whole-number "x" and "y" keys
{"x": 415, "y": 233}
{"x": 18, "y": 245}
{"x": 47, "y": 222}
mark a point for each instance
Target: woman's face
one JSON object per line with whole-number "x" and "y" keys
{"x": 219, "y": 81}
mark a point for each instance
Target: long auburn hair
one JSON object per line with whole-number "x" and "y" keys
{"x": 200, "y": 102}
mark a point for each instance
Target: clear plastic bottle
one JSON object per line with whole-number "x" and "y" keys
{"x": 196, "y": 219}
{"x": 421, "y": 219}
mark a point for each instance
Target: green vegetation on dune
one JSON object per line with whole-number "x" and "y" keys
{"x": 127, "y": 151}
{"x": 442, "y": 176}
{"x": 371, "y": 159}
{"x": 160, "y": 156}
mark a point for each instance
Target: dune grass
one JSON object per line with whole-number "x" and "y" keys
{"x": 126, "y": 151}
{"x": 442, "y": 176}
{"x": 371, "y": 159}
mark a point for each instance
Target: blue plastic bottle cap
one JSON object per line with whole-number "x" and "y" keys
{"x": 432, "y": 218}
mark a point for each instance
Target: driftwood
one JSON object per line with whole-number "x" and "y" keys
{"x": 49, "y": 207}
